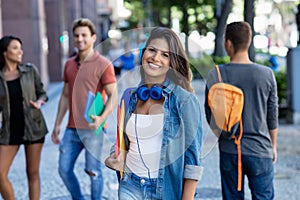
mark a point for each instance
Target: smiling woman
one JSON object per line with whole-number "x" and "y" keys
{"x": 14, "y": 52}
{"x": 163, "y": 143}
{"x": 170, "y": 49}
{"x": 21, "y": 117}
{"x": 156, "y": 61}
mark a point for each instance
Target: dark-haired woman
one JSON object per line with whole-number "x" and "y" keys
{"x": 22, "y": 122}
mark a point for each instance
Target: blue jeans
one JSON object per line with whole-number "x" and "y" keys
{"x": 133, "y": 187}
{"x": 73, "y": 142}
{"x": 259, "y": 171}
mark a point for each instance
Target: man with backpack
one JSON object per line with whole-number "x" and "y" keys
{"x": 258, "y": 124}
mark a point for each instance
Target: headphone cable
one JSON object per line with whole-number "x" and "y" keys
{"x": 137, "y": 140}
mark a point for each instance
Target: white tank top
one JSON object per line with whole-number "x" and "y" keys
{"x": 149, "y": 133}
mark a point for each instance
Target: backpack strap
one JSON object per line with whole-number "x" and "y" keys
{"x": 220, "y": 77}
{"x": 237, "y": 141}
{"x": 219, "y": 74}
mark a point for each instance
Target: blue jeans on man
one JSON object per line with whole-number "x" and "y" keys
{"x": 73, "y": 142}
{"x": 259, "y": 171}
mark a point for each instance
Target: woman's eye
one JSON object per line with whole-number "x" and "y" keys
{"x": 17, "y": 48}
{"x": 166, "y": 55}
{"x": 151, "y": 49}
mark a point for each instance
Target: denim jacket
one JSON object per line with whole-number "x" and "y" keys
{"x": 32, "y": 89}
{"x": 182, "y": 140}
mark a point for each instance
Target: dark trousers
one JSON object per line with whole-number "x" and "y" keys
{"x": 259, "y": 171}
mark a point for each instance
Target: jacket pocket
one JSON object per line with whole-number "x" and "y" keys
{"x": 173, "y": 126}
{"x": 37, "y": 124}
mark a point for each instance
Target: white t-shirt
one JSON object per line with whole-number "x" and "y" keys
{"x": 145, "y": 144}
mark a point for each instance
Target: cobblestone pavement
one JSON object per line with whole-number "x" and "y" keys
{"x": 287, "y": 168}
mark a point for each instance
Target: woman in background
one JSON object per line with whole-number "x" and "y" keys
{"x": 22, "y": 122}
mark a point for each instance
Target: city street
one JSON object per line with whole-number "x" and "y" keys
{"x": 287, "y": 168}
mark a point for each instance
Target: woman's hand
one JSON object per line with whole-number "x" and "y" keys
{"x": 37, "y": 104}
{"x": 115, "y": 163}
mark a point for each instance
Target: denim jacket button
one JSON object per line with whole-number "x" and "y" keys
{"x": 142, "y": 181}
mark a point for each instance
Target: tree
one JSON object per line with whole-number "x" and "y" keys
{"x": 161, "y": 13}
{"x": 249, "y": 17}
{"x": 222, "y": 20}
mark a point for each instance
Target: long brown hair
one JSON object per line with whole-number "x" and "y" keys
{"x": 180, "y": 72}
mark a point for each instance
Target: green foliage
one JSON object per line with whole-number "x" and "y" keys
{"x": 281, "y": 86}
{"x": 221, "y": 60}
{"x": 281, "y": 92}
{"x": 200, "y": 13}
{"x": 281, "y": 80}
{"x": 137, "y": 10}
{"x": 264, "y": 62}
{"x": 201, "y": 66}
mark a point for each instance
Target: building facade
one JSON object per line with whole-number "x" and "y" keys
{"x": 45, "y": 27}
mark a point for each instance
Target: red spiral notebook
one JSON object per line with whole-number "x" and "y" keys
{"x": 120, "y": 143}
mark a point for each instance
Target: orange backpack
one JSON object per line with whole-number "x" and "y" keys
{"x": 226, "y": 103}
